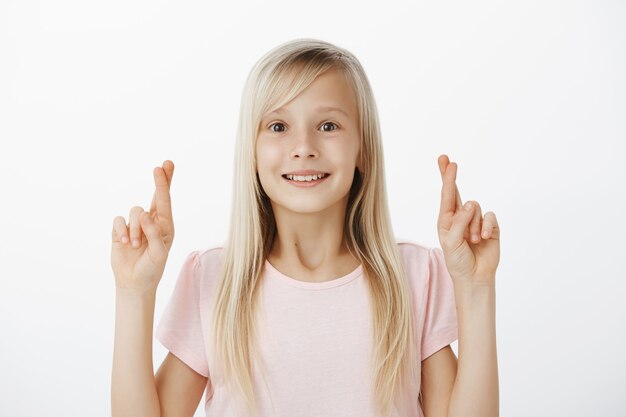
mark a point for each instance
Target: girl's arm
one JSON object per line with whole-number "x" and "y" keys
{"x": 138, "y": 269}
{"x": 438, "y": 376}
{"x": 133, "y": 387}
{"x": 472, "y": 265}
{"x": 179, "y": 387}
{"x": 475, "y": 391}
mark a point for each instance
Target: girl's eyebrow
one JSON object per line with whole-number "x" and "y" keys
{"x": 319, "y": 109}
{"x": 331, "y": 108}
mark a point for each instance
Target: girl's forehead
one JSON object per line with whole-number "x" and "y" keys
{"x": 315, "y": 109}
{"x": 329, "y": 91}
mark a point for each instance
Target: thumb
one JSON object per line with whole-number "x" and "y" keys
{"x": 153, "y": 234}
{"x": 461, "y": 223}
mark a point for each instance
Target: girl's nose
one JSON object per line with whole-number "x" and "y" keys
{"x": 305, "y": 146}
{"x": 310, "y": 154}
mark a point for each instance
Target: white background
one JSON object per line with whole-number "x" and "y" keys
{"x": 529, "y": 98}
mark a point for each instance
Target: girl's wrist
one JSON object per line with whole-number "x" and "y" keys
{"x": 121, "y": 292}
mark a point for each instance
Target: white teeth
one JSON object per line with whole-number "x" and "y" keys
{"x": 305, "y": 178}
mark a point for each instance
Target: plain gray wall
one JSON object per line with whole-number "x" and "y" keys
{"x": 529, "y": 98}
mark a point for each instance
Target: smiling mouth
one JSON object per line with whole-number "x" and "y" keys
{"x": 305, "y": 178}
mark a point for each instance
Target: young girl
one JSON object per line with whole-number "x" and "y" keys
{"x": 311, "y": 307}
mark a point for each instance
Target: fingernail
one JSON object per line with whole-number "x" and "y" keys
{"x": 485, "y": 234}
{"x": 467, "y": 206}
{"x": 124, "y": 239}
{"x": 135, "y": 242}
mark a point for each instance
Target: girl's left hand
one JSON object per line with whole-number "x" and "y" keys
{"x": 470, "y": 263}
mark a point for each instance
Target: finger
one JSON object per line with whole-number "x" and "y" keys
{"x": 447, "y": 190}
{"x": 162, "y": 203}
{"x": 120, "y": 234}
{"x": 135, "y": 226}
{"x": 444, "y": 163}
{"x": 168, "y": 168}
{"x": 156, "y": 246}
{"x": 475, "y": 224}
{"x": 458, "y": 201}
{"x": 461, "y": 223}
{"x": 450, "y": 197}
{"x": 491, "y": 230}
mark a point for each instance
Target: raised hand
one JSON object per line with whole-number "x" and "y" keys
{"x": 469, "y": 261}
{"x": 138, "y": 268}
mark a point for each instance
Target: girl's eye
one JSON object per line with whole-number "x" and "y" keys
{"x": 275, "y": 124}
{"x": 330, "y": 123}
{"x": 280, "y": 124}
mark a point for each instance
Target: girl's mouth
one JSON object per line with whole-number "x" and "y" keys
{"x": 305, "y": 184}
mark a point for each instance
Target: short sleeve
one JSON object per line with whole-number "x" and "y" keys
{"x": 180, "y": 327}
{"x": 440, "y": 322}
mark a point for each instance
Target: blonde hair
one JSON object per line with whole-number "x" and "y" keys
{"x": 279, "y": 76}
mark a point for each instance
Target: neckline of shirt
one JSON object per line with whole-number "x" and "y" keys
{"x": 279, "y": 276}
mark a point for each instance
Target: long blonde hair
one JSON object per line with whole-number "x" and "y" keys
{"x": 279, "y": 76}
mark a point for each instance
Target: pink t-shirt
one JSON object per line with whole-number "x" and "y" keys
{"x": 317, "y": 345}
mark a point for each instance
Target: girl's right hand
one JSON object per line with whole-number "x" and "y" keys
{"x": 138, "y": 269}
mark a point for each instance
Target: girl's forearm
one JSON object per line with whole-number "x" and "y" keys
{"x": 133, "y": 386}
{"x": 475, "y": 391}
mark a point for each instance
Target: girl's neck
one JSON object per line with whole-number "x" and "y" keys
{"x": 320, "y": 257}
{"x": 321, "y": 265}
{"x": 312, "y": 245}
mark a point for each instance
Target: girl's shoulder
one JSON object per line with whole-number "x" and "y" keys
{"x": 207, "y": 262}
{"x": 419, "y": 260}
{"x": 412, "y": 247}
{"x": 416, "y": 257}
{"x": 210, "y": 252}
{"x": 210, "y": 257}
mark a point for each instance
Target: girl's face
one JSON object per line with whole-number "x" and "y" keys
{"x": 306, "y": 134}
